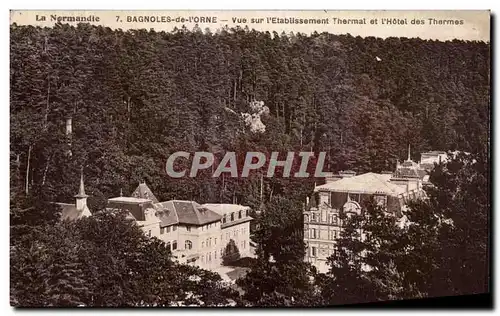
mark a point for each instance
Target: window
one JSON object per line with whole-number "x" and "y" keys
{"x": 381, "y": 200}
{"x": 232, "y": 217}
{"x": 313, "y": 233}
{"x": 333, "y": 234}
{"x": 202, "y": 258}
{"x": 313, "y": 251}
{"x": 174, "y": 228}
{"x": 149, "y": 233}
{"x": 188, "y": 228}
{"x": 188, "y": 245}
{"x": 162, "y": 230}
{"x": 246, "y": 212}
{"x": 244, "y": 244}
{"x": 215, "y": 241}
{"x": 215, "y": 254}
{"x": 224, "y": 219}
{"x": 202, "y": 228}
{"x": 202, "y": 244}
{"x": 315, "y": 217}
{"x": 334, "y": 220}
{"x": 209, "y": 256}
{"x": 174, "y": 245}
{"x": 239, "y": 214}
{"x": 354, "y": 197}
{"x": 306, "y": 218}
{"x": 221, "y": 252}
{"x": 168, "y": 246}
{"x": 168, "y": 229}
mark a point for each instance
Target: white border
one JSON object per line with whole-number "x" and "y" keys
{"x": 199, "y": 5}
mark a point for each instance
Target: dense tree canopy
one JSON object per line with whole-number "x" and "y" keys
{"x": 105, "y": 260}
{"x": 441, "y": 248}
{"x": 137, "y": 96}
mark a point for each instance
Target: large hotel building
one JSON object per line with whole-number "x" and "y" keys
{"x": 347, "y": 191}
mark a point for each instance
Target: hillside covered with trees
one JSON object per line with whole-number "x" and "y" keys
{"x": 136, "y": 97}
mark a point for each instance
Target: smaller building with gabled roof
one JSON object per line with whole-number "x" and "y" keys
{"x": 78, "y": 210}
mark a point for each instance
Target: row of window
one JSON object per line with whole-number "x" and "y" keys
{"x": 241, "y": 213}
{"x": 168, "y": 229}
{"x": 209, "y": 226}
{"x": 173, "y": 228}
{"x": 208, "y": 242}
{"x": 314, "y": 233}
{"x": 207, "y": 258}
{"x": 314, "y": 252}
{"x": 328, "y": 198}
{"x": 173, "y": 245}
{"x": 332, "y": 219}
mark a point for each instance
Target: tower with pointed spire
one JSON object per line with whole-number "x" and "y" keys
{"x": 81, "y": 197}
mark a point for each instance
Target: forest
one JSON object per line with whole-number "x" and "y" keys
{"x": 135, "y": 97}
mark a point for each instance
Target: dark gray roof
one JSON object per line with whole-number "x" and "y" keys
{"x": 135, "y": 206}
{"x": 144, "y": 192}
{"x": 166, "y": 213}
{"x": 192, "y": 213}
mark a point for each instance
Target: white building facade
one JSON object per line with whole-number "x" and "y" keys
{"x": 196, "y": 234}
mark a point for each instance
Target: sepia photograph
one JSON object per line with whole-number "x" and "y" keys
{"x": 250, "y": 158}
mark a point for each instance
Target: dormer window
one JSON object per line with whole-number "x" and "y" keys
{"x": 232, "y": 217}
{"x": 224, "y": 219}
{"x": 239, "y": 215}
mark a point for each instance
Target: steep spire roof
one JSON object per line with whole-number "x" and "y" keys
{"x": 409, "y": 158}
{"x": 144, "y": 192}
{"x": 81, "y": 191}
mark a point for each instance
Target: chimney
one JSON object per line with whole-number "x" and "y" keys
{"x": 307, "y": 201}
